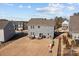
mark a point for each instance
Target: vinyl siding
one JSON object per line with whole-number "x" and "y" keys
{"x": 8, "y": 31}
{"x": 1, "y": 35}
{"x": 43, "y": 29}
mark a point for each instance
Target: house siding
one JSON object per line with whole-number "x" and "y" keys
{"x": 73, "y": 27}
{"x": 8, "y": 31}
{"x": 1, "y": 35}
{"x": 43, "y": 29}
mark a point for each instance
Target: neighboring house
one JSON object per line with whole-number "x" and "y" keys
{"x": 6, "y": 30}
{"x": 74, "y": 27}
{"x": 3, "y": 20}
{"x": 40, "y": 27}
{"x": 25, "y": 27}
{"x": 20, "y": 25}
{"x": 65, "y": 25}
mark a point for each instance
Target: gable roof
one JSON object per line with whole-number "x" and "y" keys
{"x": 74, "y": 24}
{"x": 3, "y": 20}
{"x": 41, "y": 21}
{"x": 3, "y": 23}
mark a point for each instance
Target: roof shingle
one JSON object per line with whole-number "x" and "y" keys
{"x": 3, "y": 23}
{"x": 40, "y": 21}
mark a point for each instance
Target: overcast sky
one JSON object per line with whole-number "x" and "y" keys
{"x": 25, "y": 11}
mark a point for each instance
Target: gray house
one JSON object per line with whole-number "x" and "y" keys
{"x": 40, "y": 27}
{"x": 74, "y": 27}
{"x": 6, "y": 30}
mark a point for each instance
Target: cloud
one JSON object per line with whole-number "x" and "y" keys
{"x": 29, "y": 6}
{"x": 71, "y": 8}
{"x": 48, "y": 10}
{"x": 51, "y": 8}
{"x": 3, "y": 12}
{"x": 23, "y": 6}
{"x": 57, "y": 8}
{"x": 57, "y": 5}
{"x": 9, "y": 4}
{"x": 20, "y": 6}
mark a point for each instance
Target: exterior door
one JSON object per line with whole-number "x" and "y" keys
{"x": 40, "y": 34}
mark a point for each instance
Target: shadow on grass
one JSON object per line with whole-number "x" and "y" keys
{"x": 17, "y": 36}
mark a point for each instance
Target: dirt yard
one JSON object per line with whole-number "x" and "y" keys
{"x": 26, "y": 47}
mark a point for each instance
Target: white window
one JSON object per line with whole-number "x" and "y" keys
{"x": 75, "y": 37}
{"x": 32, "y": 27}
{"x": 31, "y": 33}
{"x": 78, "y": 37}
{"x": 38, "y": 26}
